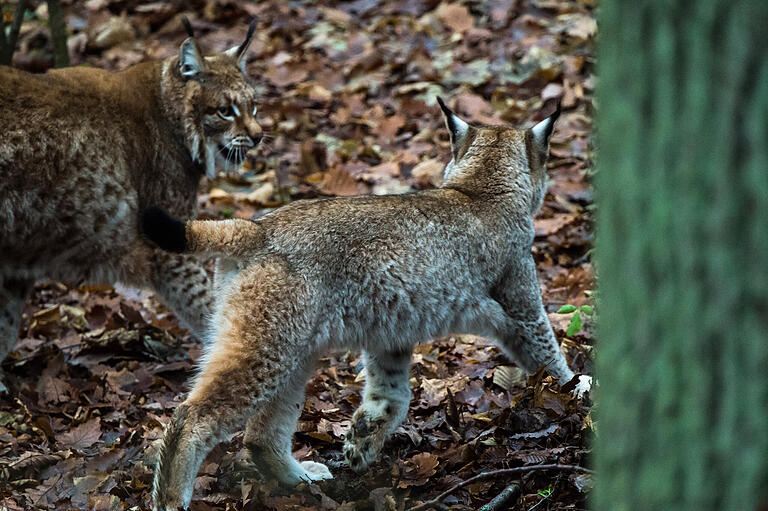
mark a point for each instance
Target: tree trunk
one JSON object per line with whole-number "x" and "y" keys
{"x": 8, "y": 43}
{"x": 58, "y": 33}
{"x": 682, "y": 256}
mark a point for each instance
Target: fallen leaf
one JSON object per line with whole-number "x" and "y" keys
{"x": 81, "y": 437}
{"x": 429, "y": 172}
{"x": 418, "y": 469}
{"x": 456, "y": 17}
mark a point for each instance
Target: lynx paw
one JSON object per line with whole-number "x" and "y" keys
{"x": 584, "y": 385}
{"x": 364, "y": 440}
{"x": 359, "y": 453}
{"x": 314, "y": 471}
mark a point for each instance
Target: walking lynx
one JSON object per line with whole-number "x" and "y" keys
{"x": 82, "y": 150}
{"x": 378, "y": 274}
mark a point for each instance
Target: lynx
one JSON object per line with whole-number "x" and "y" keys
{"x": 378, "y": 274}
{"x": 82, "y": 150}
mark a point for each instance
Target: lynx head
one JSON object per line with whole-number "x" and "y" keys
{"x": 499, "y": 160}
{"x": 216, "y": 103}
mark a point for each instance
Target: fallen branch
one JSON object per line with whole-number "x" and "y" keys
{"x": 436, "y": 502}
{"x": 500, "y": 500}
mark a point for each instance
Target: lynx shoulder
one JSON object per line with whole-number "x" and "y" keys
{"x": 378, "y": 274}
{"x": 82, "y": 150}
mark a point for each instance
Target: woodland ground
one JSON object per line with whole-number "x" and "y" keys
{"x": 348, "y": 99}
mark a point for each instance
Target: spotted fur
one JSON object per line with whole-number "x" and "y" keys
{"x": 373, "y": 273}
{"x": 82, "y": 150}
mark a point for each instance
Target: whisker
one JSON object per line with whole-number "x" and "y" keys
{"x": 229, "y": 147}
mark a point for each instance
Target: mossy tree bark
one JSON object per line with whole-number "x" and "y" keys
{"x": 682, "y": 250}
{"x": 58, "y": 33}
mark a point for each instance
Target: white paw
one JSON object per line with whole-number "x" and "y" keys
{"x": 314, "y": 471}
{"x": 584, "y": 385}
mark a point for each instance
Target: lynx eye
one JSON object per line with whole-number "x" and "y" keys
{"x": 227, "y": 112}
{"x": 254, "y": 111}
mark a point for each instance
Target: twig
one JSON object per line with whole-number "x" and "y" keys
{"x": 9, "y": 362}
{"x": 495, "y": 473}
{"x": 9, "y": 43}
{"x": 539, "y": 502}
{"x": 510, "y": 492}
{"x": 2, "y": 31}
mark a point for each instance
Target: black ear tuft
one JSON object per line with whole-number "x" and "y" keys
{"x": 449, "y": 115}
{"x": 456, "y": 126}
{"x": 248, "y": 36}
{"x": 187, "y": 26}
{"x": 447, "y": 111}
{"x": 165, "y": 231}
{"x": 543, "y": 130}
{"x": 556, "y": 114}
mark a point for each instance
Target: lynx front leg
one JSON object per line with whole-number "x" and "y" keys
{"x": 13, "y": 294}
{"x": 183, "y": 284}
{"x": 528, "y": 337}
{"x": 269, "y": 433}
{"x": 385, "y": 403}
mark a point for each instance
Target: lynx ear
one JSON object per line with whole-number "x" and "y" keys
{"x": 543, "y": 130}
{"x": 239, "y": 52}
{"x": 457, "y": 127}
{"x": 190, "y": 59}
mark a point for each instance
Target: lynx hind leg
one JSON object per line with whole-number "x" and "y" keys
{"x": 13, "y": 295}
{"x": 528, "y": 337}
{"x": 208, "y": 416}
{"x": 184, "y": 285}
{"x": 386, "y": 398}
{"x": 269, "y": 434}
{"x": 269, "y": 322}
{"x": 231, "y": 386}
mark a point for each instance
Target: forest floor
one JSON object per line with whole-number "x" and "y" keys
{"x": 348, "y": 99}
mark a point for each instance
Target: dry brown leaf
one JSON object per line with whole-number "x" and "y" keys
{"x": 283, "y": 76}
{"x": 388, "y": 127}
{"x": 429, "y": 172}
{"x": 81, "y": 437}
{"x": 418, "y": 469}
{"x": 338, "y": 181}
{"x": 547, "y": 226}
{"x": 456, "y": 17}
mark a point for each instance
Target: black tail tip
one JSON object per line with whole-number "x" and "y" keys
{"x": 165, "y": 231}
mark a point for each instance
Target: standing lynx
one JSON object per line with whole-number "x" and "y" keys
{"x": 374, "y": 273}
{"x": 82, "y": 150}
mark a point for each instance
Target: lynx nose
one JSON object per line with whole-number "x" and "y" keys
{"x": 255, "y": 133}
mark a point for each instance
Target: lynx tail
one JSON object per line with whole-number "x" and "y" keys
{"x": 165, "y": 231}
{"x": 235, "y": 239}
